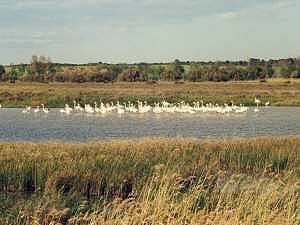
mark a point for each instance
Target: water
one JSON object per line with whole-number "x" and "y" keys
{"x": 272, "y": 121}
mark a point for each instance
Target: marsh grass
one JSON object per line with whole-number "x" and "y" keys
{"x": 151, "y": 181}
{"x": 278, "y": 92}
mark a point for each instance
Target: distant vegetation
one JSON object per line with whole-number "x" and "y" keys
{"x": 41, "y": 69}
{"x": 151, "y": 181}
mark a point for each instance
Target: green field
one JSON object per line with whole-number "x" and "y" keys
{"x": 280, "y": 92}
{"x": 151, "y": 181}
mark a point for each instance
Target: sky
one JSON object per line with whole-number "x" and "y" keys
{"x": 115, "y": 31}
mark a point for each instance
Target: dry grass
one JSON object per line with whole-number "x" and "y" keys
{"x": 279, "y": 92}
{"x": 151, "y": 181}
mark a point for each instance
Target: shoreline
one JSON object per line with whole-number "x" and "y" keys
{"x": 250, "y": 107}
{"x": 204, "y": 140}
{"x": 55, "y": 95}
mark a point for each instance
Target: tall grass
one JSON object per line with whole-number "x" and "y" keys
{"x": 278, "y": 92}
{"x": 151, "y": 181}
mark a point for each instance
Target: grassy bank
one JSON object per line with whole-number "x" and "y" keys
{"x": 278, "y": 92}
{"x": 151, "y": 181}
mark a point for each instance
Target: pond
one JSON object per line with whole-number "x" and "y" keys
{"x": 79, "y": 127}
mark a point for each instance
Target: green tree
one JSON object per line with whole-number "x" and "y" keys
{"x": 145, "y": 69}
{"x": 195, "y": 73}
{"x": 34, "y": 66}
{"x": 155, "y": 72}
{"x": 40, "y": 65}
{"x": 174, "y": 71}
{"x": 255, "y": 72}
{"x": 40, "y": 69}
{"x": 268, "y": 70}
{"x": 2, "y": 71}
{"x": 116, "y": 69}
{"x": 298, "y": 61}
{"x": 296, "y": 74}
{"x": 103, "y": 74}
{"x": 12, "y": 74}
{"x": 131, "y": 74}
{"x": 285, "y": 72}
{"x": 297, "y": 68}
{"x": 178, "y": 69}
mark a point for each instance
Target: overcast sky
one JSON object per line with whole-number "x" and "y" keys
{"x": 82, "y": 31}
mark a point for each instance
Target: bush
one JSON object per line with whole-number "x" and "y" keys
{"x": 295, "y": 74}
{"x": 32, "y": 78}
{"x": 2, "y": 72}
{"x": 104, "y": 75}
{"x": 195, "y": 73}
{"x": 61, "y": 77}
{"x": 174, "y": 71}
{"x": 41, "y": 70}
{"x": 131, "y": 75}
{"x": 78, "y": 78}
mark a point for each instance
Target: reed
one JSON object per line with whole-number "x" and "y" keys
{"x": 151, "y": 181}
{"x": 278, "y": 92}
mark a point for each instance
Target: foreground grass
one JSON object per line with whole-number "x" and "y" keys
{"x": 151, "y": 181}
{"x": 279, "y": 92}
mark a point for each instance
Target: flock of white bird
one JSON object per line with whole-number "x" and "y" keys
{"x": 143, "y": 107}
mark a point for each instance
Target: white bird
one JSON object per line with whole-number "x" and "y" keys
{"x": 96, "y": 108}
{"x": 45, "y": 110}
{"x": 77, "y": 107}
{"x": 37, "y": 109}
{"x": 257, "y": 101}
{"x": 88, "y": 108}
{"x": 27, "y": 109}
{"x": 67, "y": 110}
{"x": 120, "y": 108}
{"x": 267, "y": 103}
{"x": 157, "y": 107}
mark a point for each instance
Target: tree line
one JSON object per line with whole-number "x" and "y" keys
{"x": 42, "y": 69}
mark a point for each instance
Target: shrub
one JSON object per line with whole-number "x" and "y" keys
{"x": 131, "y": 74}
{"x": 104, "y": 75}
{"x": 60, "y": 77}
{"x": 78, "y": 78}
{"x": 2, "y": 71}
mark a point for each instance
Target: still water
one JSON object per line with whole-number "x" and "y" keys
{"x": 272, "y": 121}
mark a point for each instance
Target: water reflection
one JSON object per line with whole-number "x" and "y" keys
{"x": 83, "y": 127}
